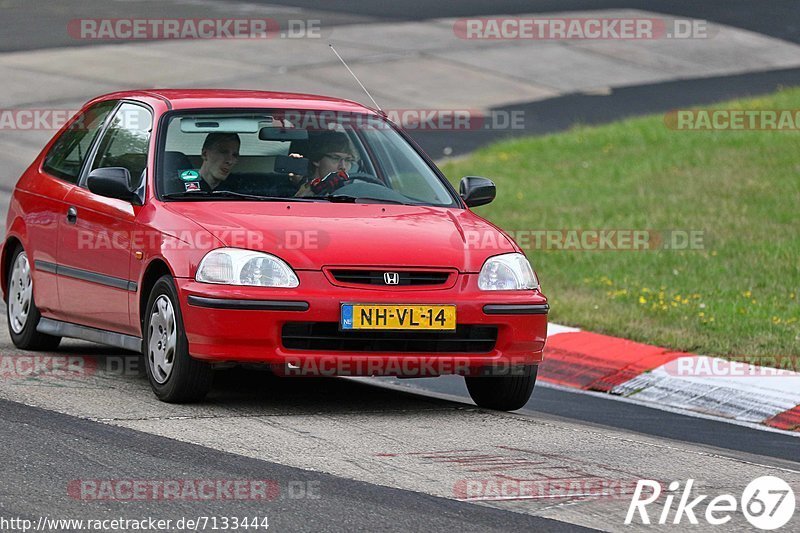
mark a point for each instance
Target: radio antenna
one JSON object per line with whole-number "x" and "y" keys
{"x": 356, "y": 78}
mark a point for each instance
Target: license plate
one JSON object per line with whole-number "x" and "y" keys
{"x": 404, "y": 317}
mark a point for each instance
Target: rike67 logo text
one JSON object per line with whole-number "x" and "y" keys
{"x": 768, "y": 502}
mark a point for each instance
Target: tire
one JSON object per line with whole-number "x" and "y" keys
{"x": 174, "y": 375}
{"x": 22, "y": 315}
{"x": 503, "y": 393}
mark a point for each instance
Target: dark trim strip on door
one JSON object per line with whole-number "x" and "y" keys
{"x": 46, "y": 266}
{"x": 86, "y": 275}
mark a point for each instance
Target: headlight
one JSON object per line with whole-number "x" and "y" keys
{"x": 507, "y": 272}
{"x": 231, "y": 266}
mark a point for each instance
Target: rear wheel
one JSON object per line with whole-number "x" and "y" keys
{"x": 22, "y": 314}
{"x": 503, "y": 393}
{"x": 174, "y": 375}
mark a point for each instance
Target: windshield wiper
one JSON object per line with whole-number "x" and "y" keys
{"x": 347, "y": 199}
{"x": 230, "y": 194}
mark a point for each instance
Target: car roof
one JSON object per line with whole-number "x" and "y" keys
{"x": 241, "y": 99}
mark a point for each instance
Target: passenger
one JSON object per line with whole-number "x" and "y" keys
{"x": 329, "y": 152}
{"x": 220, "y": 154}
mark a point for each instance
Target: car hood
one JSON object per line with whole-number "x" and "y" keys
{"x": 310, "y": 236}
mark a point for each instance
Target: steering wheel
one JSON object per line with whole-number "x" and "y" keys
{"x": 337, "y": 180}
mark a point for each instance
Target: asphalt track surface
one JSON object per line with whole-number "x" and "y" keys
{"x": 52, "y": 450}
{"x": 48, "y": 452}
{"x": 601, "y": 410}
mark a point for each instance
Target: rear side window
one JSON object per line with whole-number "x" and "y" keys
{"x": 65, "y": 158}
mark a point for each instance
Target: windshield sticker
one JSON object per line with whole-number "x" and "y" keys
{"x": 190, "y": 175}
{"x": 192, "y": 186}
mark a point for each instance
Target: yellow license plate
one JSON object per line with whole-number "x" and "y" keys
{"x": 407, "y": 317}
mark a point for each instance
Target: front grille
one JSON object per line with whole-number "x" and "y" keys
{"x": 376, "y": 277}
{"x": 327, "y": 336}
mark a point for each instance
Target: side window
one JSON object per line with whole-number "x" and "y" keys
{"x": 65, "y": 158}
{"x": 126, "y": 141}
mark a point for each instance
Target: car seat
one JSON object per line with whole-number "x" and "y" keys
{"x": 174, "y": 164}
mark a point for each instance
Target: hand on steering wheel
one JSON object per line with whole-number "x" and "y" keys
{"x": 329, "y": 183}
{"x": 337, "y": 180}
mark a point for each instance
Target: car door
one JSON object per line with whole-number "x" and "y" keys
{"x": 42, "y": 199}
{"x": 94, "y": 255}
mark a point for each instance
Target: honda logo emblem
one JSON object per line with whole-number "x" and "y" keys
{"x": 391, "y": 278}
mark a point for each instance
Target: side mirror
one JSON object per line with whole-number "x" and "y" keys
{"x": 477, "y": 191}
{"x": 112, "y": 182}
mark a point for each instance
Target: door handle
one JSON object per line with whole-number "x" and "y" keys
{"x": 72, "y": 215}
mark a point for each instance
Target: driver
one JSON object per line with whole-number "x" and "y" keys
{"x": 329, "y": 152}
{"x": 220, "y": 154}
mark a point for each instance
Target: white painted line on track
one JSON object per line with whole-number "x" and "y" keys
{"x": 711, "y": 385}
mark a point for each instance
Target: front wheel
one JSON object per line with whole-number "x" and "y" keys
{"x": 503, "y": 393}
{"x": 174, "y": 375}
{"x": 22, "y": 314}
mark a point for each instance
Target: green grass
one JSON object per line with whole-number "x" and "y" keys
{"x": 737, "y": 296}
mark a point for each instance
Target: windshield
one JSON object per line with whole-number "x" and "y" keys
{"x": 294, "y": 155}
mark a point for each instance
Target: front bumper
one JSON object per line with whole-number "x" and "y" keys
{"x": 245, "y": 324}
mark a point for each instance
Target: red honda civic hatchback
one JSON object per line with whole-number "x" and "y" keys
{"x": 205, "y": 228}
